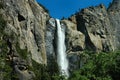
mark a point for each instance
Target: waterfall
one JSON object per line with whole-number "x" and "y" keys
{"x": 61, "y": 50}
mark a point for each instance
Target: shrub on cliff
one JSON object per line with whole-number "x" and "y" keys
{"x": 2, "y": 23}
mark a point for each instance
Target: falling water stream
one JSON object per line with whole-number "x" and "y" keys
{"x": 61, "y": 50}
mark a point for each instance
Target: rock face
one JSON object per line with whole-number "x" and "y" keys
{"x": 114, "y": 12}
{"x": 94, "y": 23}
{"x": 75, "y": 40}
{"x": 23, "y": 35}
{"x": 27, "y": 34}
{"x": 27, "y": 20}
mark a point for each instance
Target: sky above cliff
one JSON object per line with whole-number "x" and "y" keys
{"x": 65, "y": 8}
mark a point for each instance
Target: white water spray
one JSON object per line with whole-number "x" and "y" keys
{"x": 61, "y": 50}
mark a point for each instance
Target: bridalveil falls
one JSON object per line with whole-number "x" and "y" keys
{"x": 61, "y": 50}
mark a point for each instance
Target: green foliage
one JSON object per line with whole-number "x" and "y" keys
{"x": 3, "y": 47}
{"x": 22, "y": 52}
{"x": 101, "y": 66}
{"x": 58, "y": 77}
{"x": 2, "y": 22}
{"x": 53, "y": 69}
{"x": 1, "y": 5}
{"x": 7, "y": 72}
{"x": 5, "y": 68}
{"x": 2, "y": 25}
{"x": 40, "y": 71}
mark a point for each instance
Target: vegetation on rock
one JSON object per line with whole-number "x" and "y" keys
{"x": 5, "y": 69}
{"x": 22, "y": 52}
{"x": 101, "y": 66}
{"x": 1, "y": 5}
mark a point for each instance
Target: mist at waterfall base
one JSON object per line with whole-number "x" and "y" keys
{"x": 61, "y": 50}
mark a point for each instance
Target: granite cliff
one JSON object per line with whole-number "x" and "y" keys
{"x": 28, "y": 34}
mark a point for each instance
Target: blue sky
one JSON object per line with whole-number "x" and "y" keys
{"x": 65, "y": 8}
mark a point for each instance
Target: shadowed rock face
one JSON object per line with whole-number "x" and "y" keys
{"x": 94, "y": 24}
{"x": 114, "y": 13}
